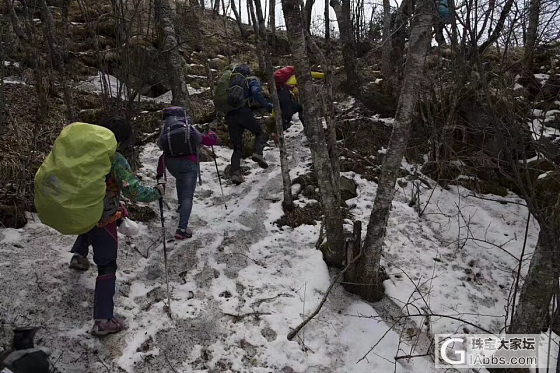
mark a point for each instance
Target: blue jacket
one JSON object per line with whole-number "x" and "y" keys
{"x": 255, "y": 92}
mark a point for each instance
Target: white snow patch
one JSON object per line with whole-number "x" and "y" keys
{"x": 13, "y": 80}
{"x": 11, "y": 236}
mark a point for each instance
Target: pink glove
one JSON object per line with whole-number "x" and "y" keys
{"x": 214, "y": 137}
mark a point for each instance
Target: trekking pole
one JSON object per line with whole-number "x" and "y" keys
{"x": 219, "y": 178}
{"x": 165, "y": 257}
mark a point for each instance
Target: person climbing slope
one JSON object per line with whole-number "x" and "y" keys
{"x": 242, "y": 86}
{"x": 180, "y": 141}
{"x": 103, "y": 237}
{"x": 286, "y": 86}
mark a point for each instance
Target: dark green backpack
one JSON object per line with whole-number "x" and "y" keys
{"x": 230, "y": 91}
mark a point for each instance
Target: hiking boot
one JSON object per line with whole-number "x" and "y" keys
{"x": 79, "y": 263}
{"x": 105, "y": 327}
{"x": 237, "y": 178}
{"x": 260, "y": 160}
{"x": 181, "y": 234}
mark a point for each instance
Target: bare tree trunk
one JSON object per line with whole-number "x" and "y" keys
{"x": 3, "y": 126}
{"x": 330, "y": 195}
{"x": 228, "y": 40}
{"x": 272, "y": 25}
{"x": 307, "y": 13}
{"x": 29, "y": 42}
{"x": 348, "y": 45}
{"x": 174, "y": 61}
{"x": 393, "y": 50}
{"x": 532, "y": 30}
{"x": 287, "y": 203}
{"x": 57, "y": 57}
{"x": 327, "y": 27}
{"x": 368, "y": 268}
{"x": 238, "y": 19}
{"x": 216, "y": 8}
{"x": 497, "y": 30}
{"x": 386, "y": 68}
{"x": 327, "y": 98}
{"x": 249, "y": 18}
{"x": 531, "y": 314}
{"x": 258, "y": 44}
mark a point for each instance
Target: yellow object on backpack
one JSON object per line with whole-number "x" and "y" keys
{"x": 70, "y": 184}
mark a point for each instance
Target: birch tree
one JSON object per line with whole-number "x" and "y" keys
{"x": 367, "y": 272}
{"x": 330, "y": 195}
{"x": 532, "y": 33}
{"x": 174, "y": 62}
{"x": 288, "y": 203}
{"x": 57, "y": 57}
{"x": 238, "y": 20}
{"x": 349, "y": 55}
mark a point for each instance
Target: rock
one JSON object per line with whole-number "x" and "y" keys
{"x": 348, "y": 188}
{"x": 309, "y": 192}
{"x": 156, "y": 294}
{"x": 11, "y": 217}
{"x": 377, "y": 99}
{"x": 146, "y": 345}
{"x": 205, "y": 193}
{"x": 205, "y": 155}
{"x": 141, "y": 213}
{"x": 441, "y": 170}
{"x": 153, "y": 272}
{"x": 269, "y": 334}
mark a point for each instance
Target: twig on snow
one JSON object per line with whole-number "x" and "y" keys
{"x": 258, "y": 302}
{"x": 56, "y": 362}
{"x": 97, "y": 356}
{"x": 37, "y": 282}
{"x": 294, "y": 332}
{"x": 238, "y": 318}
{"x": 168, "y": 362}
{"x": 248, "y": 257}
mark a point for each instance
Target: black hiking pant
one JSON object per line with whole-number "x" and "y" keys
{"x": 238, "y": 121}
{"x": 289, "y": 106}
{"x": 105, "y": 244}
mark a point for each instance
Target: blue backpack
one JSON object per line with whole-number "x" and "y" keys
{"x": 178, "y": 136}
{"x": 444, "y": 9}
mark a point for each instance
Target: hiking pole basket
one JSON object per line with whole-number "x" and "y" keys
{"x": 165, "y": 256}
{"x": 219, "y": 178}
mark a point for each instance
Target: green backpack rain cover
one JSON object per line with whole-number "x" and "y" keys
{"x": 70, "y": 184}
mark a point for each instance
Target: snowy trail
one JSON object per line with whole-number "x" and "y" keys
{"x": 238, "y": 286}
{"x": 241, "y": 283}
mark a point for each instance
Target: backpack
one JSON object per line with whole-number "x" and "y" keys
{"x": 178, "y": 136}
{"x": 281, "y": 76}
{"x": 444, "y": 10}
{"x": 230, "y": 90}
{"x": 70, "y": 184}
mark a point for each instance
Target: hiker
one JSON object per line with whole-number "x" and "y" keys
{"x": 286, "y": 86}
{"x": 289, "y": 104}
{"x": 241, "y": 119}
{"x": 103, "y": 237}
{"x": 179, "y": 142}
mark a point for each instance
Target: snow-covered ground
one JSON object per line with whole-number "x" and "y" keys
{"x": 242, "y": 283}
{"x": 113, "y": 86}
